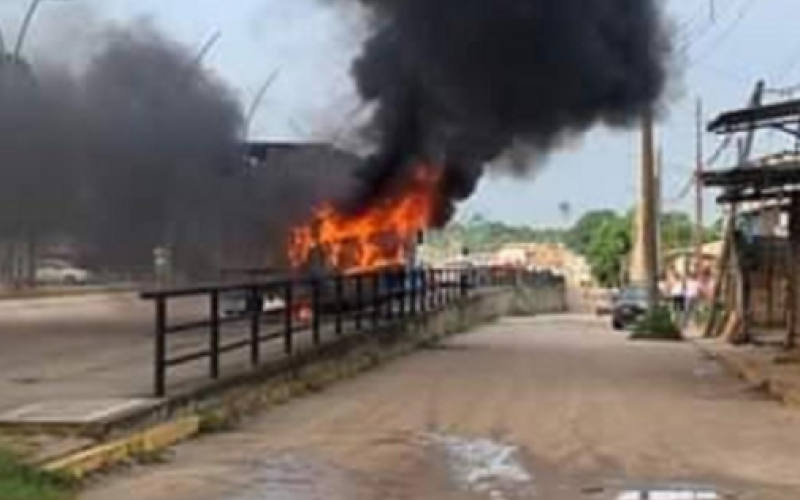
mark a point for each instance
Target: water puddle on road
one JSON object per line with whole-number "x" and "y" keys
{"x": 446, "y": 467}
{"x": 498, "y": 471}
{"x": 486, "y": 467}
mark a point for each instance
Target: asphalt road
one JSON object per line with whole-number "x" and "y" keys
{"x": 91, "y": 347}
{"x": 550, "y": 408}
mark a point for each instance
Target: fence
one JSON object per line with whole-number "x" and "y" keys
{"x": 314, "y": 310}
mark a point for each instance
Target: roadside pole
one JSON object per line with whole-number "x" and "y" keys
{"x": 699, "y": 236}
{"x": 649, "y": 211}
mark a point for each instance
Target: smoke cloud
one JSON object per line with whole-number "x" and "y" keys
{"x": 465, "y": 82}
{"x": 135, "y": 151}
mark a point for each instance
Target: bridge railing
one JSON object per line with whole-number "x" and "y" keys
{"x": 287, "y": 315}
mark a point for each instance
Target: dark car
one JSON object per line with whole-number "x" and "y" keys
{"x": 629, "y": 307}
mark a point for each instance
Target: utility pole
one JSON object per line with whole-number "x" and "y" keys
{"x": 699, "y": 230}
{"x": 649, "y": 210}
{"x": 659, "y": 187}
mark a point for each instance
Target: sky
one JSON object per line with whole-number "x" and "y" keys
{"x": 722, "y": 48}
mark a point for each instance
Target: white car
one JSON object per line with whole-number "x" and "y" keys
{"x": 59, "y": 272}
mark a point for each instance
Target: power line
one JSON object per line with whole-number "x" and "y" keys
{"x": 691, "y": 179}
{"x": 683, "y": 193}
{"x": 717, "y": 154}
{"x": 692, "y": 38}
{"x": 744, "y": 10}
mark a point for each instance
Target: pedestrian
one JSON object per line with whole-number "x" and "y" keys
{"x": 677, "y": 296}
{"x": 692, "y": 295}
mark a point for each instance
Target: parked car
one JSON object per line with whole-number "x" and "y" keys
{"x": 60, "y": 272}
{"x": 629, "y": 307}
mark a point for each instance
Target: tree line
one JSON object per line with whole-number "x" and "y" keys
{"x": 604, "y": 237}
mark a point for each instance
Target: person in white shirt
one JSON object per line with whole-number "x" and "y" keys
{"x": 677, "y": 294}
{"x": 692, "y": 294}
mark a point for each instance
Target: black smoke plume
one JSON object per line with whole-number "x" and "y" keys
{"x": 465, "y": 82}
{"x": 137, "y": 150}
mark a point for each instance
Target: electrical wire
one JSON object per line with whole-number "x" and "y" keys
{"x": 691, "y": 39}
{"x": 691, "y": 181}
{"x": 745, "y": 9}
{"x": 717, "y": 154}
{"x": 683, "y": 193}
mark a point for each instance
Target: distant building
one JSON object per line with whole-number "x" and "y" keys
{"x": 552, "y": 257}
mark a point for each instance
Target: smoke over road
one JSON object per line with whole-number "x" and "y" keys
{"x": 465, "y": 82}
{"x": 129, "y": 153}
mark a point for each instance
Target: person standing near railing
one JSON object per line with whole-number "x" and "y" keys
{"x": 690, "y": 300}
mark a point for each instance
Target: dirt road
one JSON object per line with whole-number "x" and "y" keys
{"x": 552, "y": 408}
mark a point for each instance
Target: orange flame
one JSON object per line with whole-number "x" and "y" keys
{"x": 375, "y": 238}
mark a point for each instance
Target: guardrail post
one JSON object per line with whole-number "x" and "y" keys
{"x": 403, "y": 292}
{"x": 412, "y": 293}
{"x": 255, "y": 326}
{"x": 376, "y": 300}
{"x": 391, "y": 295}
{"x": 288, "y": 319}
{"x": 316, "y": 311}
{"x": 444, "y": 289}
{"x": 451, "y": 274}
{"x": 431, "y": 291}
{"x": 359, "y": 300}
{"x": 440, "y": 284}
{"x": 339, "y": 303}
{"x": 160, "y": 381}
{"x": 214, "y": 337}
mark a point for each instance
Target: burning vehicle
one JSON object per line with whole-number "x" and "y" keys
{"x": 371, "y": 250}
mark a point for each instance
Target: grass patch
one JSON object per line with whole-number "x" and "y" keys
{"x": 657, "y": 325}
{"x": 22, "y": 482}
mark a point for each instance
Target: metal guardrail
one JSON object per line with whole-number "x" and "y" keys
{"x": 280, "y": 310}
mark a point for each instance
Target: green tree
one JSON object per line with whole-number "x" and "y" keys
{"x": 580, "y": 237}
{"x": 481, "y": 234}
{"x": 677, "y": 231}
{"x": 609, "y": 244}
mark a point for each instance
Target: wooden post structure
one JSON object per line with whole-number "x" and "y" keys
{"x": 728, "y": 271}
{"x": 794, "y": 273}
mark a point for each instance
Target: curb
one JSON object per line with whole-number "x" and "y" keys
{"x": 152, "y": 440}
